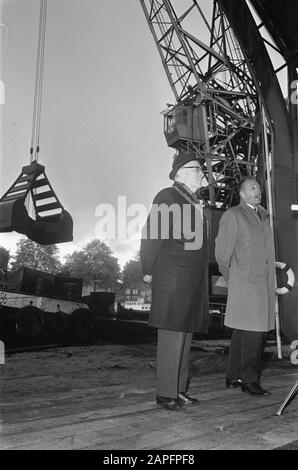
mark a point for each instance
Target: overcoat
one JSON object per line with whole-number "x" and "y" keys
{"x": 244, "y": 250}
{"x": 179, "y": 274}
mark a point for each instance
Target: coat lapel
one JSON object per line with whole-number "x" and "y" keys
{"x": 261, "y": 211}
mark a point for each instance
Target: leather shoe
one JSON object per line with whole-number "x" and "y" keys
{"x": 186, "y": 399}
{"x": 172, "y": 404}
{"x": 233, "y": 383}
{"x": 254, "y": 389}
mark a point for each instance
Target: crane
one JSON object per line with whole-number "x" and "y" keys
{"x": 230, "y": 110}
{"x": 32, "y": 193}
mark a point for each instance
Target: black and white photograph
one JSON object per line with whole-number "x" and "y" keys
{"x": 148, "y": 228}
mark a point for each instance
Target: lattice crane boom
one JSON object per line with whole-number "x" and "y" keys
{"x": 217, "y": 102}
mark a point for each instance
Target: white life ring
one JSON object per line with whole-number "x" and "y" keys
{"x": 291, "y": 278}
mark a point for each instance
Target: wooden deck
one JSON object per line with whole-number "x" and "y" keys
{"x": 103, "y": 397}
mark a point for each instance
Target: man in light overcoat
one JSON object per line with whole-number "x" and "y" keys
{"x": 244, "y": 250}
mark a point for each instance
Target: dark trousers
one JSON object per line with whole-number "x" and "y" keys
{"x": 245, "y": 356}
{"x": 173, "y": 349}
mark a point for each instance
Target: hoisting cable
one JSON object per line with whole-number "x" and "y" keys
{"x": 34, "y": 149}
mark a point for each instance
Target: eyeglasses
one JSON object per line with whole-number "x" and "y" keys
{"x": 196, "y": 167}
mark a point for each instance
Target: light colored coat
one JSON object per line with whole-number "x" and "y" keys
{"x": 244, "y": 250}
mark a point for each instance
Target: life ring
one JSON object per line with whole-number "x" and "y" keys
{"x": 285, "y": 289}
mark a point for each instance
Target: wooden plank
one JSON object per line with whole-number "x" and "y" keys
{"x": 263, "y": 435}
{"x": 40, "y": 424}
{"x": 210, "y": 417}
{"x": 104, "y": 398}
{"x": 64, "y": 403}
{"x": 177, "y": 434}
{"x": 68, "y": 403}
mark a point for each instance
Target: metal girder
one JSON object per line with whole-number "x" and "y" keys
{"x": 208, "y": 74}
{"x": 280, "y": 17}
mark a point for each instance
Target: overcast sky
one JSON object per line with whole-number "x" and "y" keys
{"x": 101, "y": 128}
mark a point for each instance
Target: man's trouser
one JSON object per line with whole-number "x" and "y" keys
{"x": 245, "y": 356}
{"x": 173, "y": 349}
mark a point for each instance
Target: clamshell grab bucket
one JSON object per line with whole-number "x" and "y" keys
{"x": 52, "y": 223}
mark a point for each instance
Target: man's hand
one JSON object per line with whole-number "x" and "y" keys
{"x": 147, "y": 278}
{"x": 225, "y": 272}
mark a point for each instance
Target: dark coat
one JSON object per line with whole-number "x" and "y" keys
{"x": 244, "y": 250}
{"x": 179, "y": 275}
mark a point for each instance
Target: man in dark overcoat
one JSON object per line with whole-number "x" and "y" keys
{"x": 244, "y": 249}
{"x": 174, "y": 256}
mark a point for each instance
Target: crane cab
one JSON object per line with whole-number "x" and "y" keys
{"x": 183, "y": 123}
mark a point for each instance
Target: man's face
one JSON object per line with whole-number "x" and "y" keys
{"x": 192, "y": 174}
{"x": 251, "y": 192}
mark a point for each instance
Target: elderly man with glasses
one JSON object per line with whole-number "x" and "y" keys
{"x": 174, "y": 258}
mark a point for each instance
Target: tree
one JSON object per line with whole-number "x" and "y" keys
{"x": 132, "y": 277}
{"x": 95, "y": 264}
{"x": 35, "y": 256}
{"x": 4, "y": 258}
